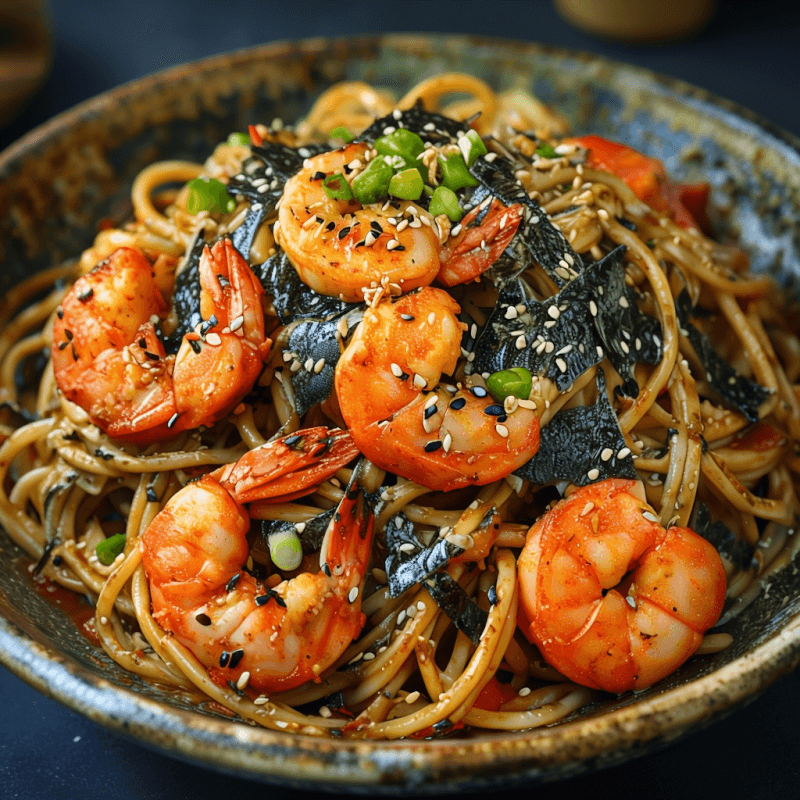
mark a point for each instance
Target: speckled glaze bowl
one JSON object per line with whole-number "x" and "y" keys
{"x": 56, "y": 183}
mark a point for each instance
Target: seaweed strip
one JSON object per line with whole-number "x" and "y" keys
{"x": 311, "y": 341}
{"x": 431, "y": 127}
{"x": 186, "y": 298}
{"x": 570, "y": 332}
{"x": 463, "y": 611}
{"x": 291, "y": 298}
{"x": 572, "y": 443}
{"x": 739, "y": 552}
{"x": 734, "y": 389}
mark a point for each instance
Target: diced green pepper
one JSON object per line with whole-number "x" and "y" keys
{"x": 514, "y": 382}
{"x": 107, "y": 550}
{"x": 407, "y": 184}
{"x": 472, "y": 146}
{"x": 455, "y": 174}
{"x": 336, "y": 187}
{"x": 342, "y": 133}
{"x": 546, "y": 151}
{"x": 444, "y": 201}
{"x": 372, "y": 184}
{"x": 238, "y": 139}
{"x": 208, "y": 194}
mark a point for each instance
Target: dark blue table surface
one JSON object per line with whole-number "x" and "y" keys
{"x": 748, "y": 54}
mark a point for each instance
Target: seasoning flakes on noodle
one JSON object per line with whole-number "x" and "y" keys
{"x": 733, "y": 388}
{"x": 581, "y": 445}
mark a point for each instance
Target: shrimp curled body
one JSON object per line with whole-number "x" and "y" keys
{"x": 108, "y": 359}
{"x": 194, "y": 553}
{"x": 612, "y": 599}
{"x": 339, "y": 247}
{"x": 405, "y": 421}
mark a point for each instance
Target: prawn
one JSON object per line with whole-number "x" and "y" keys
{"x": 108, "y": 359}
{"x": 340, "y": 247}
{"x": 404, "y": 420}
{"x": 612, "y": 599}
{"x": 195, "y": 549}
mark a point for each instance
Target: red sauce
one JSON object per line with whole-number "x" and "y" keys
{"x": 75, "y": 606}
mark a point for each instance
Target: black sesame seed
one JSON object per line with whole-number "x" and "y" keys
{"x": 203, "y": 619}
{"x": 326, "y": 569}
{"x": 231, "y": 584}
{"x": 330, "y": 226}
{"x": 60, "y": 312}
{"x": 63, "y": 345}
{"x": 143, "y": 343}
{"x": 318, "y": 176}
{"x": 493, "y": 410}
{"x": 407, "y": 317}
{"x": 86, "y": 294}
{"x": 172, "y": 420}
{"x": 492, "y": 595}
{"x": 68, "y": 334}
{"x": 236, "y": 657}
{"x": 290, "y": 441}
{"x": 104, "y": 454}
{"x": 152, "y": 356}
{"x": 343, "y": 232}
{"x": 152, "y": 497}
{"x": 458, "y": 403}
{"x": 430, "y": 411}
{"x": 57, "y": 561}
{"x": 376, "y": 226}
{"x": 431, "y": 447}
{"x": 224, "y": 659}
{"x": 399, "y": 247}
{"x": 194, "y": 344}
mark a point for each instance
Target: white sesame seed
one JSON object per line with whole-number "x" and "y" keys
{"x": 593, "y": 308}
{"x": 447, "y": 442}
{"x": 432, "y": 318}
{"x": 650, "y": 516}
{"x": 353, "y": 594}
{"x": 392, "y": 244}
{"x": 561, "y": 364}
{"x": 419, "y": 381}
{"x": 396, "y": 369}
{"x": 511, "y": 313}
{"x": 624, "y": 453}
{"x": 521, "y": 343}
{"x": 214, "y": 339}
{"x": 593, "y": 474}
{"x": 261, "y": 700}
{"x": 319, "y": 365}
{"x": 606, "y": 454}
{"x": 502, "y": 430}
{"x": 412, "y": 697}
{"x": 242, "y": 682}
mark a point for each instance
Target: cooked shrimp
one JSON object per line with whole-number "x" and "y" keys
{"x": 195, "y": 549}
{"x": 340, "y": 248}
{"x": 108, "y": 359}
{"x": 612, "y": 599}
{"x": 388, "y": 387}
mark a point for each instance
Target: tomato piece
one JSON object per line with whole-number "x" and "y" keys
{"x": 494, "y": 695}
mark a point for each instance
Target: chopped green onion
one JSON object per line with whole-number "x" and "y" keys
{"x": 342, "y": 133}
{"x": 337, "y": 187}
{"x": 472, "y": 146}
{"x": 236, "y": 139}
{"x": 107, "y": 550}
{"x": 401, "y": 142}
{"x": 455, "y": 174}
{"x": 546, "y": 151}
{"x": 285, "y": 549}
{"x": 209, "y": 194}
{"x": 444, "y": 201}
{"x": 514, "y": 382}
{"x": 407, "y": 185}
{"x": 372, "y": 184}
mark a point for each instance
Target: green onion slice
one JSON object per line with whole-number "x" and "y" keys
{"x": 372, "y": 184}
{"x": 342, "y": 133}
{"x": 107, "y": 550}
{"x": 546, "y": 151}
{"x": 285, "y": 549}
{"x": 237, "y": 139}
{"x": 455, "y": 174}
{"x": 472, "y": 146}
{"x": 209, "y": 194}
{"x": 514, "y": 382}
{"x": 401, "y": 142}
{"x": 444, "y": 201}
{"x": 407, "y": 184}
{"x": 337, "y": 187}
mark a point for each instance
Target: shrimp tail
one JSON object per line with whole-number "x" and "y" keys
{"x": 289, "y": 467}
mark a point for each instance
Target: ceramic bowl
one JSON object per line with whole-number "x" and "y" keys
{"x": 57, "y": 182}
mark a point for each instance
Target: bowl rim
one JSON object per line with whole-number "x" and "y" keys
{"x": 387, "y": 766}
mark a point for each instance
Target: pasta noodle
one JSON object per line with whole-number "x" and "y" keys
{"x": 709, "y": 423}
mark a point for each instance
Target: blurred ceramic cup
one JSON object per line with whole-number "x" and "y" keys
{"x": 640, "y": 21}
{"x": 25, "y": 52}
